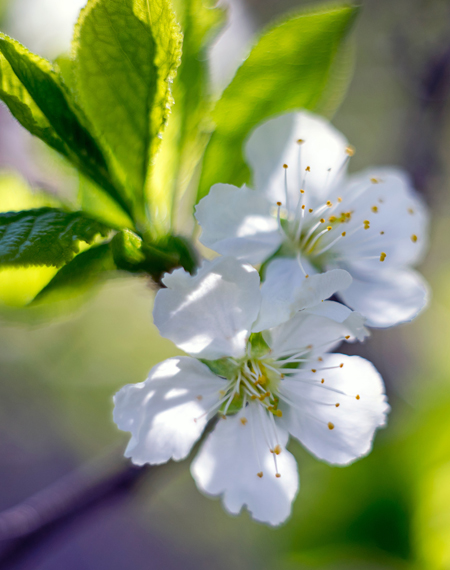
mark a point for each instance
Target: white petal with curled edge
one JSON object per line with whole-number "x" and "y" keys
{"x": 285, "y": 291}
{"x": 398, "y": 221}
{"x": 210, "y": 314}
{"x": 274, "y": 143}
{"x": 315, "y": 330}
{"x": 229, "y": 461}
{"x": 166, "y": 413}
{"x": 238, "y": 222}
{"x": 389, "y": 297}
{"x": 337, "y": 434}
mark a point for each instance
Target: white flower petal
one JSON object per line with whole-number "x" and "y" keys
{"x": 388, "y": 297}
{"x": 211, "y": 313}
{"x": 285, "y": 291}
{"x": 274, "y": 143}
{"x": 337, "y": 434}
{"x": 238, "y": 222}
{"x": 322, "y": 328}
{"x": 398, "y": 221}
{"x": 166, "y": 413}
{"x": 231, "y": 458}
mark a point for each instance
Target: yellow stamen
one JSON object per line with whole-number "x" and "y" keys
{"x": 277, "y": 449}
{"x": 357, "y": 397}
{"x": 260, "y": 474}
{"x": 414, "y": 238}
{"x": 350, "y": 150}
{"x": 285, "y": 166}
{"x": 243, "y": 421}
{"x": 382, "y": 256}
{"x": 374, "y": 209}
{"x": 330, "y": 425}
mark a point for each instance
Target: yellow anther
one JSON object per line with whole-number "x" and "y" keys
{"x": 357, "y": 396}
{"x": 306, "y": 276}
{"x": 381, "y": 233}
{"x": 332, "y": 219}
{"x": 260, "y": 474}
{"x": 329, "y": 204}
{"x": 309, "y": 347}
{"x": 199, "y": 398}
{"x": 243, "y": 421}
{"x": 350, "y": 150}
{"x": 261, "y": 380}
{"x": 302, "y": 191}
{"x": 285, "y": 165}
{"x": 322, "y": 220}
{"x": 303, "y": 207}
{"x": 322, "y": 381}
{"x": 300, "y": 141}
{"x": 222, "y": 392}
{"x": 282, "y": 376}
{"x": 313, "y": 370}
{"x": 341, "y": 365}
{"x": 278, "y": 203}
{"x": 277, "y": 449}
{"x": 347, "y": 337}
{"x": 320, "y": 359}
{"x": 382, "y": 256}
{"x": 329, "y": 228}
{"x": 310, "y": 210}
{"x": 278, "y": 413}
{"x": 375, "y": 180}
{"x": 308, "y": 169}
{"x": 339, "y": 199}
{"x": 330, "y": 425}
{"x": 410, "y": 211}
{"x": 337, "y": 405}
{"x": 343, "y": 234}
{"x": 223, "y": 416}
{"x": 374, "y": 209}
{"x": 277, "y": 475}
{"x": 414, "y": 238}
{"x": 253, "y": 397}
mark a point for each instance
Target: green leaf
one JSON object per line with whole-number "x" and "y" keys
{"x": 127, "y": 52}
{"x": 187, "y": 130}
{"x": 37, "y": 98}
{"x": 292, "y": 66}
{"x": 44, "y": 236}
{"x": 78, "y": 277}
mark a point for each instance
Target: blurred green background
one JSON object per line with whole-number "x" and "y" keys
{"x": 389, "y": 510}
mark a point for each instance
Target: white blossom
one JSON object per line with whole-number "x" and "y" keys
{"x": 262, "y": 383}
{"x": 306, "y": 209}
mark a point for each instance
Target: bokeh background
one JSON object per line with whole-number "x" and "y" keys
{"x": 390, "y": 510}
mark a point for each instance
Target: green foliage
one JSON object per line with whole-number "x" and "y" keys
{"x": 44, "y": 236}
{"x": 33, "y": 91}
{"x": 79, "y": 276}
{"x": 126, "y": 55}
{"x": 290, "y": 67}
{"x": 187, "y": 131}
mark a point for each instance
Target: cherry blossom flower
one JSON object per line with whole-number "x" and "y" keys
{"x": 308, "y": 213}
{"x": 260, "y": 384}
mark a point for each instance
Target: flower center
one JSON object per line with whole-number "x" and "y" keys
{"x": 312, "y": 232}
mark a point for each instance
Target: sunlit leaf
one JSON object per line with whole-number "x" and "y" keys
{"x": 292, "y": 66}
{"x": 44, "y": 236}
{"x": 127, "y": 52}
{"x": 35, "y": 95}
{"x": 186, "y": 134}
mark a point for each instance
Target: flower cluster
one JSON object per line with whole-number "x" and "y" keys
{"x": 260, "y": 353}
